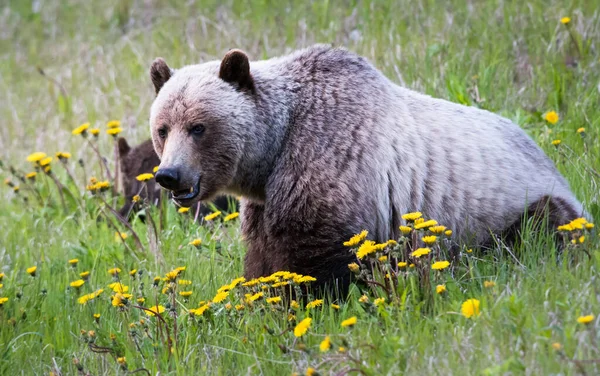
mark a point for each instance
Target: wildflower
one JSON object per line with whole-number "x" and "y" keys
{"x": 335, "y": 306}
{"x": 302, "y": 327}
{"x": 196, "y": 242}
{"x": 155, "y": 169}
{"x": 356, "y": 239}
{"x": 429, "y": 223}
{"x": 581, "y": 239}
{"x": 220, "y": 297}
{"x": 411, "y": 217}
{"x": 379, "y": 301}
{"x": 349, "y": 322}
{"x": 118, "y": 287}
{"x": 565, "y": 20}
{"x": 73, "y": 262}
{"x": 171, "y": 276}
{"x": 429, "y": 239}
{"x": 231, "y": 217}
{"x": 314, "y": 303}
{"x": 489, "y": 284}
{"x": 353, "y": 267}
{"x": 228, "y": 306}
{"x": 80, "y": 130}
{"x": 77, "y": 284}
{"x": 212, "y": 216}
{"x": 114, "y": 131}
{"x": 304, "y": 279}
{"x": 97, "y": 316}
{"x": 470, "y": 308}
{"x": 132, "y": 272}
{"x": 250, "y": 283}
{"x": 95, "y": 132}
{"x": 440, "y": 289}
{"x": 3, "y": 300}
{"x": 440, "y": 265}
{"x": 255, "y": 297}
{"x": 551, "y": 117}
{"x": 556, "y": 346}
{"x": 383, "y": 258}
{"x": 120, "y": 300}
{"x": 184, "y": 282}
{"x": 469, "y": 250}
{"x": 183, "y": 210}
{"x": 405, "y": 230}
{"x": 402, "y": 264}
{"x": 62, "y": 155}
{"x": 420, "y": 252}
{"x": 589, "y": 226}
{"x": 280, "y": 284}
{"x": 363, "y": 299}
{"x": 556, "y": 142}
{"x": 342, "y": 349}
{"x": 365, "y": 249}
{"x": 36, "y": 157}
{"x": 294, "y": 304}
{"x": 31, "y": 175}
{"x": 239, "y": 307}
{"x": 311, "y": 372}
{"x": 581, "y": 131}
{"x": 120, "y": 235}
{"x": 448, "y": 232}
{"x": 84, "y": 275}
{"x": 31, "y": 271}
{"x": 144, "y": 177}
{"x": 156, "y": 310}
{"x": 2, "y": 275}
{"x": 113, "y": 124}
{"x": 276, "y": 299}
{"x": 585, "y": 319}
{"x": 437, "y": 229}
{"x": 86, "y": 298}
{"x": 114, "y": 271}
{"x": 141, "y": 300}
{"x": 200, "y": 310}
{"x": 325, "y": 344}
{"x": 121, "y": 360}
{"x": 136, "y": 198}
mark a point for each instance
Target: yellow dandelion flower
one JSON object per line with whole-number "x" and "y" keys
{"x": 551, "y": 117}
{"x": 84, "y": 275}
{"x": 144, "y": 177}
{"x": 429, "y": 223}
{"x": 356, "y": 239}
{"x": 120, "y": 300}
{"x": 184, "y": 282}
{"x": 325, "y": 344}
{"x": 132, "y": 272}
{"x": 183, "y": 210}
{"x": 120, "y": 235}
{"x": 31, "y": 271}
{"x": 122, "y": 360}
{"x": 114, "y": 131}
{"x": 565, "y": 20}
{"x": 556, "y": 142}
{"x": 113, "y": 124}
{"x": 185, "y": 294}
{"x": 157, "y": 309}
{"x": 354, "y": 267}
{"x": 383, "y": 258}
{"x": 420, "y": 252}
{"x": 556, "y": 346}
{"x": 342, "y": 349}
{"x": 80, "y": 130}
{"x": 469, "y": 250}
{"x": 274, "y": 300}
{"x": 440, "y": 289}
{"x": 294, "y": 304}
{"x": 405, "y": 230}
{"x": 302, "y": 327}
{"x": 489, "y": 284}
{"x": 412, "y": 216}
{"x": 2, "y": 275}
{"x": 118, "y": 287}
{"x": 366, "y": 248}
{"x": 305, "y": 279}
{"x": 429, "y": 239}
{"x": 231, "y": 216}
{"x": 239, "y": 307}
{"x": 140, "y": 300}
{"x": 448, "y": 232}
{"x": 155, "y": 169}
{"x": 310, "y": 371}
{"x": 95, "y": 132}
{"x": 31, "y": 175}
{"x": 196, "y": 242}
{"x": 402, "y": 264}
{"x": 470, "y": 308}
{"x": 437, "y": 229}
{"x": 581, "y": 130}
{"x": 114, "y": 271}
{"x": 335, "y": 306}
{"x": 36, "y": 157}
{"x": 3, "y": 300}
{"x": 581, "y": 239}
{"x": 73, "y": 261}
{"x": 77, "y": 284}
{"x": 45, "y": 162}
{"x": 440, "y": 265}
{"x": 212, "y": 216}
{"x": 250, "y": 283}
{"x": 61, "y": 155}
{"x": 379, "y": 301}
{"x": 314, "y": 303}
{"x": 349, "y": 322}
{"x": 220, "y": 297}
{"x": 585, "y": 319}
{"x": 363, "y": 299}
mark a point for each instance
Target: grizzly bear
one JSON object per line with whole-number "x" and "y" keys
{"x": 141, "y": 159}
{"x": 321, "y": 145}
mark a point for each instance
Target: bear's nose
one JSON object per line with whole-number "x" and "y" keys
{"x": 168, "y": 178}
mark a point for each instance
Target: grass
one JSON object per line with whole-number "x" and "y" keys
{"x": 512, "y": 58}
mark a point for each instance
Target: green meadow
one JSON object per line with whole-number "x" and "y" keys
{"x": 84, "y": 293}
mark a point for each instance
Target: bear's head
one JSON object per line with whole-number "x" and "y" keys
{"x": 200, "y": 121}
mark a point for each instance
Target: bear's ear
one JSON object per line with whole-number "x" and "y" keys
{"x": 235, "y": 69}
{"x": 160, "y": 73}
{"x": 123, "y": 147}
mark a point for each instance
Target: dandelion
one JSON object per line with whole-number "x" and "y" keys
{"x": 581, "y": 239}
{"x": 440, "y": 289}
{"x": 114, "y": 271}
{"x": 581, "y": 131}
{"x": 349, "y": 322}
{"x": 411, "y": 217}
{"x": 120, "y": 235}
{"x": 383, "y": 258}
{"x": 36, "y": 157}
{"x": 335, "y": 306}
{"x": 556, "y": 346}
{"x": 132, "y": 272}
{"x": 353, "y": 267}
{"x": 470, "y": 308}
{"x": 136, "y": 198}
{"x": 255, "y": 297}
{"x": 77, "y": 284}
{"x": 356, "y": 239}
{"x": 183, "y": 210}
{"x": 120, "y": 300}
{"x": 429, "y": 239}
{"x": 589, "y": 226}
{"x": 325, "y": 344}
{"x": 420, "y": 252}
{"x": 314, "y": 303}
{"x": 437, "y": 229}
{"x": 556, "y": 142}
{"x": 80, "y": 130}
{"x": 405, "y": 230}
{"x": 365, "y": 249}
{"x": 144, "y": 177}
{"x": 239, "y": 307}
{"x": 274, "y": 300}
{"x": 84, "y": 275}
{"x": 114, "y": 131}
{"x": 294, "y": 304}
{"x": 469, "y": 250}
{"x": 302, "y": 327}
{"x": 585, "y": 319}
{"x": 31, "y": 175}
{"x": 489, "y": 284}
{"x": 2, "y": 275}
{"x": 196, "y": 242}
{"x": 220, "y": 297}
{"x": 155, "y": 169}
{"x": 95, "y": 132}
{"x": 448, "y": 232}
{"x": 310, "y": 372}
{"x": 305, "y": 279}
{"x": 73, "y": 262}
{"x": 31, "y": 271}
{"x": 231, "y": 217}
{"x": 113, "y": 124}
{"x": 565, "y": 20}
{"x": 118, "y": 287}
{"x": 402, "y": 264}
{"x": 551, "y": 117}
{"x": 440, "y": 265}
{"x": 429, "y": 223}
{"x": 3, "y": 300}
{"x": 121, "y": 360}
{"x": 140, "y": 300}
{"x": 379, "y": 301}
{"x": 212, "y": 216}
{"x": 63, "y": 155}
{"x": 156, "y": 310}
{"x": 363, "y": 299}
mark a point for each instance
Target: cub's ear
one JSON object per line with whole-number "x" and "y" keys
{"x": 235, "y": 69}
{"x": 123, "y": 147}
{"x": 160, "y": 73}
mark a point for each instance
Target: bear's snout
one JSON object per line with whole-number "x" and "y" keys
{"x": 168, "y": 178}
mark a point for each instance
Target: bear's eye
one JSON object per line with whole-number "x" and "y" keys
{"x": 162, "y": 132}
{"x": 197, "y": 130}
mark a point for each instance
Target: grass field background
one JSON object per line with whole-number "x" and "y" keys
{"x": 513, "y": 58}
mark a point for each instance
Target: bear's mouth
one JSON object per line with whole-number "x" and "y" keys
{"x": 180, "y": 197}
